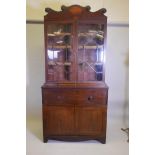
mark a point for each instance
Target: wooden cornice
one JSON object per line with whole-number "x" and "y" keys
{"x": 74, "y": 9}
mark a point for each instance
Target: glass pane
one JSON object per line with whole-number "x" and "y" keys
{"x": 59, "y": 52}
{"x": 90, "y": 52}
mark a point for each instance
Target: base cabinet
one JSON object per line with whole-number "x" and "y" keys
{"x": 74, "y": 121}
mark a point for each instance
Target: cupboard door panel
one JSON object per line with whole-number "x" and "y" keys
{"x": 58, "y": 120}
{"x": 90, "y": 120}
{"x": 90, "y": 53}
{"x": 60, "y": 55}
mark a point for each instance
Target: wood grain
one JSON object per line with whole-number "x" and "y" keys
{"x": 73, "y": 110}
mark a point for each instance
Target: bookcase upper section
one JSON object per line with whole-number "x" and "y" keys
{"x": 75, "y": 45}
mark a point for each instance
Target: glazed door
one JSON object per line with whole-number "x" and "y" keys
{"x": 59, "y": 55}
{"x": 58, "y": 120}
{"x": 90, "y": 54}
{"x": 90, "y": 120}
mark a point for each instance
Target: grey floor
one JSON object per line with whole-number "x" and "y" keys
{"x": 116, "y": 141}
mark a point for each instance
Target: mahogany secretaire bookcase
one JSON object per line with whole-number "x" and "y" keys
{"x": 74, "y": 96}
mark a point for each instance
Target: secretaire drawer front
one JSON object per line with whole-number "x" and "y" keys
{"x": 58, "y": 97}
{"x": 91, "y": 97}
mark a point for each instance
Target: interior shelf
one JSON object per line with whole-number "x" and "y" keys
{"x": 90, "y": 47}
{"x": 59, "y": 46}
{"x": 92, "y": 63}
{"x": 90, "y": 34}
{"x": 59, "y": 63}
{"x": 58, "y": 34}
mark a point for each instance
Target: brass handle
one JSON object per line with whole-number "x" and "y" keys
{"x": 90, "y": 98}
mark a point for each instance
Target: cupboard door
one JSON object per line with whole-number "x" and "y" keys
{"x": 58, "y": 120}
{"x": 90, "y": 120}
{"x": 90, "y": 55}
{"x": 60, "y": 56}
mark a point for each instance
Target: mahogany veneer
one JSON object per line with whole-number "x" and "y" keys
{"x": 74, "y": 96}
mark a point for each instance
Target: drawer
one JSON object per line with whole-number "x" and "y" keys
{"x": 78, "y": 97}
{"x": 91, "y": 97}
{"x": 58, "y": 96}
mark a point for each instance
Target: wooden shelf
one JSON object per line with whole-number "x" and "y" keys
{"x": 80, "y": 47}
{"x": 57, "y": 34}
{"x": 99, "y": 72}
{"x": 52, "y": 63}
{"x": 92, "y": 63}
{"x": 89, "y": 34}
{"x": 59, "y": 46}
{"x": 90, "y": 47}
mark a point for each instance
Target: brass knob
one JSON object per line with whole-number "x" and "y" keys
{"x": 90, "y": 98}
